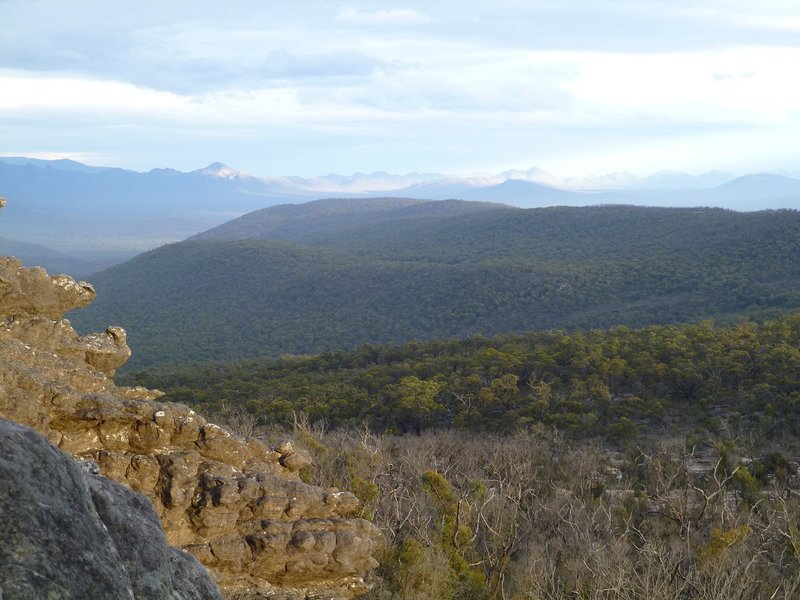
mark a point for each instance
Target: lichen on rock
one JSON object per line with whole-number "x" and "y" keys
{"x": 235, "y": 504}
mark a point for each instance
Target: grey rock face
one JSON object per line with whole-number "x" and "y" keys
{"x": 53, "y": 545}
{"x": 190, "y": 580}
{"x": 68, "y": 534}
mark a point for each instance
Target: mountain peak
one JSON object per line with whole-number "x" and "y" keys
{"x": 218, "y": 169}
{"x": 534, "y": 174}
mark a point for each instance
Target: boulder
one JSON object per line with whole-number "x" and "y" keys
{"x": 69, "y": 533}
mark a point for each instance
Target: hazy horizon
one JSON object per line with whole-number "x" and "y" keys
{"x": 640, "y": 175}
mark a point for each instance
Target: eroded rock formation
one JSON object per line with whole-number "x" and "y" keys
{"x": 235, "y": 504}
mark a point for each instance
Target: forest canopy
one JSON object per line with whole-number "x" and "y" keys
{"x": 446, "y": 273}
{"x": 614, "y": 383}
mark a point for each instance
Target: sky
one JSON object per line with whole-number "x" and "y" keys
{"x": 454, "y": 86}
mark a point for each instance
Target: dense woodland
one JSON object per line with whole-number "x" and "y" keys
{"x": 613, "y": 383}
{"x": 328, "y": 280}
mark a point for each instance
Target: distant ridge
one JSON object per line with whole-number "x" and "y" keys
{"x": 88, "y": 211}
{"x": 334, "y": 274}
{"x": 301, "y": 222}
{"x": 53, "y": 260}
{"x": 768, "y": 185}
{"x": 62, "y": 164}
{"x": 529, "y": 194}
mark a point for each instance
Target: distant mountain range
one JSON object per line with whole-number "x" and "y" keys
{"x": 96, "y": 216}
{"x": 333, "y": 274}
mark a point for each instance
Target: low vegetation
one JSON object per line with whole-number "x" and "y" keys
{"x": 535, "y": 515}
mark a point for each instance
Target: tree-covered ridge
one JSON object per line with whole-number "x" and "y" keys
{"x": 457, "y": 231}
{"x": 450, "y": 274}
{"x": 613, "y": 383}
{"x": 330, "y": 219}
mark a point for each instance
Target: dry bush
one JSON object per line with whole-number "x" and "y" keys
{"x": 531, "y": 516}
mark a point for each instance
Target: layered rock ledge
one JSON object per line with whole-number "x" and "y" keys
{"x": 235, "y": 504}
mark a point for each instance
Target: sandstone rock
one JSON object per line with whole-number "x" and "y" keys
{"x": 32, "y": 292}
{"x": 235, "y": 504}
{"x": 69, "y": 533}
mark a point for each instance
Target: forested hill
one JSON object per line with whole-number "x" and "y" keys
{"x": 455, "y": 231}
{"x": 446, "y": 270}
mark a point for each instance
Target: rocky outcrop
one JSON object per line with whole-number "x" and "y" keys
{"x": 235, "y": 504}
{"x": 69, "y": 533}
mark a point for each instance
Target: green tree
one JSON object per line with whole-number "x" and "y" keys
{"x": 414, "y": 402}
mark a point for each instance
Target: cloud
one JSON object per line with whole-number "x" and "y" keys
{"x": 24, "y": 94}
{"x": 789, "y": 24}
{"x": 446, "y": 76}
{"x": 283, "y": 64}
{"x": 447, "y": 81}
{"x": 395, "y": 16}
{"x": 686, "y": 87}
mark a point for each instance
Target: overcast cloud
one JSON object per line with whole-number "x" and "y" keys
{"x": 572, "y": 86}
